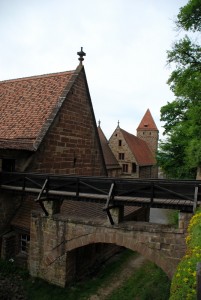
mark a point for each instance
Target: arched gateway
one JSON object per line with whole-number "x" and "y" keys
{"x": 54, "y": 238}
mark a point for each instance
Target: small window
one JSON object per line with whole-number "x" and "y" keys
{"x": 8, "y": 165}
{"x": 125, "y": 168}
{"x": 134, "y": 167}
{"x": 24, "y": 241}
{"x": 121, "y": 156}
{"x": 120, "y": 143}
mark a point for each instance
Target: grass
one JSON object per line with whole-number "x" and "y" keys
{"x": 42, "y": 290}
{"x": 173, "y": 218}
{"x": 149, "y": 282}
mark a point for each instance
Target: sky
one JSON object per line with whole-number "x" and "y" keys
{"x": 125, "y": 41}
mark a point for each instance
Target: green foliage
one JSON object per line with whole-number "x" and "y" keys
{"x": 9, "y": 268}
{"x": 39, "y": 289}
{"x": 189, "y": 16}
{"x": 183, "y": 284}
{"x": 182, "y": 116}
{"x": 147, "y": 283}
{"x": 173, "y": 218}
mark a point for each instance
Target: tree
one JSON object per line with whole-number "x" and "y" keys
{"x": 180, "y": 155}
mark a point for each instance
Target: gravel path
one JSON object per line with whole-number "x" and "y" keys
{"x": 132, "y": 264}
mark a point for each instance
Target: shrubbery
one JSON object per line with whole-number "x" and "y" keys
{"x": 184, "y": 281}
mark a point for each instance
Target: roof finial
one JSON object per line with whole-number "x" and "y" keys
{"x": 99, "y": 122}
{"x": 118, "y": 123}
{"x": 81, "y": 54}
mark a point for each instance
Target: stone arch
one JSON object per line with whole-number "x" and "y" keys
{"x": 150, "y": 252}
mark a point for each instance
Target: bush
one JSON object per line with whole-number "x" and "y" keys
{"x": 184, "y": 281}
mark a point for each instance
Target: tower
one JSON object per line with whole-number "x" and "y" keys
{"x": 148, "y": 131}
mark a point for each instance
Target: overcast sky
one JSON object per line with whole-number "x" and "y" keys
{"x": 125, "y": 43}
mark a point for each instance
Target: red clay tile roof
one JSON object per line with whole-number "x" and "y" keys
{"x": 139, "y": 148}
{"x": 147, "y": 122}
{"x": 110, "y": 159}
{"x": 28, "y": 106}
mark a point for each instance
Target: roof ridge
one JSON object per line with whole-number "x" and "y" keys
{"x": 38, "y": 76}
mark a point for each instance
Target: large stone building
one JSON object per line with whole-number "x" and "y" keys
{"x": 48, "y": 125}
{"x": 137, "y": 154}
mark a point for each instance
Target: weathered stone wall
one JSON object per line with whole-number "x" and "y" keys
{"x": 54, "y": 238}
{"x": 72, "y": 145}
{"x": 128, "y": 156}
{"x": 150, "y": 137}
{"x": 8, "y": 205}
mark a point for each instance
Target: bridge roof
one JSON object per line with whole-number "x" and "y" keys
{"x": 29, "y": 106}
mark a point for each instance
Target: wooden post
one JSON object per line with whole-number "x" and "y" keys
{"x": 117, "y": 214}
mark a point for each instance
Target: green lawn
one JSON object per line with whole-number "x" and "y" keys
{"x": 149, "y": 282}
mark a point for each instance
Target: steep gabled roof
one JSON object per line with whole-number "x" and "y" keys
{"x": 139, "y": 148}
{"x": 29, "y": 106}
{"x": 147, "y": 122}
{"x": 110, "y": 159}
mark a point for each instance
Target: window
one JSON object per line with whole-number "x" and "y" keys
{"x": 125, "y": 168}
{"x": 24, "y": 241}
{"x": 121, "y": 156}
{"x": 134, "y": 167}
{"x": 120, "y": 143}
{"x": 8, "y": 165}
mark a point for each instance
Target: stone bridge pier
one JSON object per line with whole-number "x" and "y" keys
{"x": 54, "y": 238}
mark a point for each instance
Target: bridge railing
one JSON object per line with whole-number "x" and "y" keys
{"x": 177, "y": 194}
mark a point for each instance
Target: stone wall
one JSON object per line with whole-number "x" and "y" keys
{"x": 150, "y": 137}
{"x": 72, "y": 145}
{"x": 128, "y": 156}
{"x": 53, "y": 240}
{"x": 8, "y": 206}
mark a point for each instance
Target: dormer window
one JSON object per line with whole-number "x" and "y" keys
{"x": 146, "y": 125}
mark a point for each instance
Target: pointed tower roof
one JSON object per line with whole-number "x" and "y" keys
{"x": 147, "y": 122}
